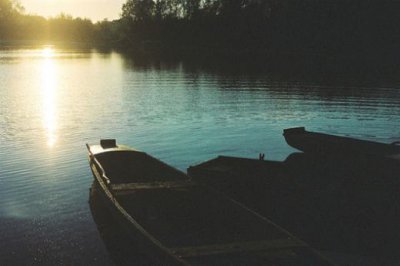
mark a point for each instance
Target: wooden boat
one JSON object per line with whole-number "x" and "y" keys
{"x": 179, "y": 222}
{"x": 339, "y": 206}
{"x": 320, "y": 143}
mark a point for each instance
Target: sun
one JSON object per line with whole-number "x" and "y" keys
{"x": 47, "y": 52}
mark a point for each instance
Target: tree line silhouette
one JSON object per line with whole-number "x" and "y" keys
{"x": 15, "y": 25}
{"x": 358, "y": 32}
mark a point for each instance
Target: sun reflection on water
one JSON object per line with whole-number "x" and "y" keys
{"x": 49, "y": 91}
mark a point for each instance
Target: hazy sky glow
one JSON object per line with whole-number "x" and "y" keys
{"x": 93, "y": 9}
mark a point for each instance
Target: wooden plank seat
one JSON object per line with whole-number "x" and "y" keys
{"x": 235, "y": 247}
{"x": 150, "y": 185}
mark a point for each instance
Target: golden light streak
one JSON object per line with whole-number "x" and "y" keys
{"x": 49, "y": 90}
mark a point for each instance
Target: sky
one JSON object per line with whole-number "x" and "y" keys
{"x": 95, "y": 10}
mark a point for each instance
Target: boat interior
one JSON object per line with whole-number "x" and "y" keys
{"x": 133, "y": 166}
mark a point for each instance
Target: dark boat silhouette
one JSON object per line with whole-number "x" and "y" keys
{"x": 176, "y": 221}
{"x": 320, "y": 143}
{"x": 348, "y": 206}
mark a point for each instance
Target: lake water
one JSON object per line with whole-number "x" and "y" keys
{"x": 54, "y": 101}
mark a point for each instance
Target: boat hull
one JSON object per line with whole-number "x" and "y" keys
{"x": 153, "y": 250}
{"x": 326, "y": 144}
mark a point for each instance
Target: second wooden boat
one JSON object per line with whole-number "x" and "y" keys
{"x": 314, "y": 142}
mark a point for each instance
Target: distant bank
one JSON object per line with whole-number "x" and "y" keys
{"x": 334, "y": 39}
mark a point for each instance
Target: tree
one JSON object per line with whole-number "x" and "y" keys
{"x": 138, "y": 10}
{"x": 191, "y": 8}
{"x": 10, "y": 10}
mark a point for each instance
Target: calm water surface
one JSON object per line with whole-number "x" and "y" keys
{"x": 53, "y": 101}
